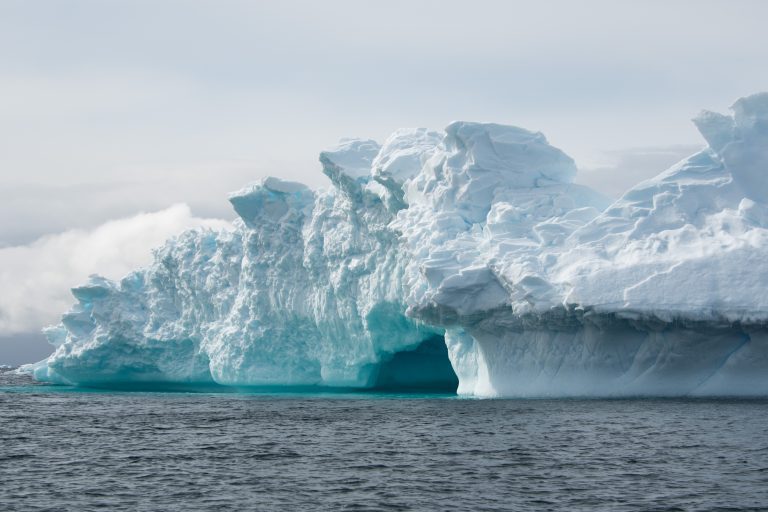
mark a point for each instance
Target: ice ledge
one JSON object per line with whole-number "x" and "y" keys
{"x": 570, "y": 318}
{"x": 271, "y": 200}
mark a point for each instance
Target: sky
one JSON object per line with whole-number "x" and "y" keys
{"x": 126, "y": 121}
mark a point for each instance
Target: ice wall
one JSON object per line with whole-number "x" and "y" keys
{"x": 475, "y": 236}
{"x": 660, "y": 294}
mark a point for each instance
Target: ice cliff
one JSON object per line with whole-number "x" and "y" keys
{"x": 467, "y": 258}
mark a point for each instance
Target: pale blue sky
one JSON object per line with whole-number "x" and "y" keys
{"x": 111, "y": 107}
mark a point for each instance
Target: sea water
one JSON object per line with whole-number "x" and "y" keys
{"x": 68, "y": 449}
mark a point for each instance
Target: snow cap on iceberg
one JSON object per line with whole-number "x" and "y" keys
{"x": 350, "y": 157}
{"x": 751, "y": 113}
{"x": 688, "y": 242}
{"x": 740, "y": 142}
{"x": 524, "y": 158}
{"x": 747, "y": 154}
{"x": 403, "y": 154}
{"x": 476, "y": 162}
{"x": 269, "y": 200}
{"x": 401, "y": 158}
{"x": 97, "y": 287}
{"x": 348, "y": 164}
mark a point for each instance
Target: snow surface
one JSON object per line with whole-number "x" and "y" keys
{"x": 538, "y": 286}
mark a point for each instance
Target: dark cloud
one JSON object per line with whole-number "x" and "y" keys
{"x": 23, "y": 348}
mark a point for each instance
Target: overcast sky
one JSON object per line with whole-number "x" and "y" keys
{"x": 112, "y": 108}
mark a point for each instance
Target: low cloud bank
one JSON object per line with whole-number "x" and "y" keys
{"x": 35, "y": 278}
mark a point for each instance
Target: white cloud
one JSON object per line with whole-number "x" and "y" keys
{"x": 31, "y": 210}
{"x": 35, "y": 279}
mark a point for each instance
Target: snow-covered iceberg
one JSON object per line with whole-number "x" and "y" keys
{"x": 464, "y": 258}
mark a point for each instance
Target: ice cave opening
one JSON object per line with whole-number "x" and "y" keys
{"x": 423, "y": 369}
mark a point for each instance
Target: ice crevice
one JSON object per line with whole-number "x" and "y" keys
{"x": 465, "y": 259}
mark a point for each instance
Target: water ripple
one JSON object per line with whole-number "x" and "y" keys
{"x": 191, "y": 451}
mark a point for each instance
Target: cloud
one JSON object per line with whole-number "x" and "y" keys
{"x": 36, "y": 278}
{"x": 31, "y": 210}
{"x": 625, "y": 168}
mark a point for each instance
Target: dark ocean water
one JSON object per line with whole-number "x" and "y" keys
{"x": 65, "y": 449}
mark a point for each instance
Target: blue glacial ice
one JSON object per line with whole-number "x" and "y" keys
{"x": 461, "y": 258}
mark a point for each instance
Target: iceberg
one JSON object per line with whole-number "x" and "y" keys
{"x": 465, "y": 260}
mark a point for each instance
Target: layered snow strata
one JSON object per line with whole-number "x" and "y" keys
{"x": 476, "y": 237}
{"x": 660, "y": 294}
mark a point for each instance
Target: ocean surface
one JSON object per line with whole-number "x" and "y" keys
{"x": 68, "y": 449}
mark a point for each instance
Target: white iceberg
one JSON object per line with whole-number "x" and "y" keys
{"x": 462, "y": 258}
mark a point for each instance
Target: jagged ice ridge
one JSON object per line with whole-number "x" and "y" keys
{"x": 467, "y": 254}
